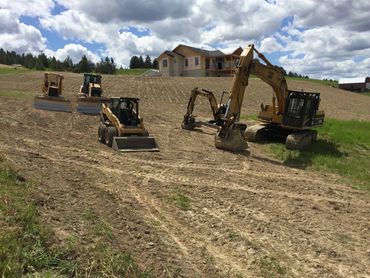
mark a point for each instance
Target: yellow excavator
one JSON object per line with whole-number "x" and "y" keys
{"x": 51, "y": 97}
{"x": 122, "y": 128}
{"x": 91, "y": 94}
{"x": 291, "y": 113}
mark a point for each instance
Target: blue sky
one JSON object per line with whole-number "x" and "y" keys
{"x": 320, "y": 39}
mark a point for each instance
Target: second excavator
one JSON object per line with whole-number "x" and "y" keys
{"x": 291, "y": 114}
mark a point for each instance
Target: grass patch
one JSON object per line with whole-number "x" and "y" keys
{"x": 342, "y": 147}
{"x": 270, "y": 268}
{"x": 131, "y": 71}
{"x": 15, "y": 94}
{"x": 11, "y": 70}
{"x": 103, "y": 259}
{"x": 249, "y": 117}
{"x": 181, "y": 201}
{"x": 317, "y": 81}
{"x": 26, "y": 246}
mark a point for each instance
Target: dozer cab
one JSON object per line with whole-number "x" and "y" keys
{"x": 51, "y": 98}
{"x": 291, "y": 114}
{"x": 91, "y": 94}
{"x": 122, "y": 128}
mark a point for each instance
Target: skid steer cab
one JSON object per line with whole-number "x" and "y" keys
{"x": 122, "y": 128}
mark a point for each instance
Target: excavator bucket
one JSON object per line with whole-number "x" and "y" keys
{"x": 89, "y": 105}
{"x": 135, "y": 144}
{"x": 53, "y": 104}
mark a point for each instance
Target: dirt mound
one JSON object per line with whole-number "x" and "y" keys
{"x": 190, "y": 210}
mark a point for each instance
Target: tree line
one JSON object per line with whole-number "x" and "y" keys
{"x": 137, "y": 62}
{"x": 42, "y": 62}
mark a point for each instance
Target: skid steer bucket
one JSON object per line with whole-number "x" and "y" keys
{"x": 135, "y": 144}
{"x": 88, "y": 106}
{"x": 53, "y": 104}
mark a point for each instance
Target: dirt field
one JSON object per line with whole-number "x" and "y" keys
{"x": 245, "y": 215}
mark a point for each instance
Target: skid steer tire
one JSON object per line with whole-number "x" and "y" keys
{"x": 102, "y": 130}
{"x": 111, "y": 132}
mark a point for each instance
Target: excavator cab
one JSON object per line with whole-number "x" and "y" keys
{"x": 301, "y": 110}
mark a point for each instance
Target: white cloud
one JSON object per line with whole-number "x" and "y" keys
{"x": 19, "y": 37}
{"x": 323, "y": 37}
{"x": 73, "y": 51}
{"x": 28, "y": 7}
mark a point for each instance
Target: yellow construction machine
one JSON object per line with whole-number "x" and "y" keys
{"x": 122, "y": 128}
{"x": 290, "y": 115}
{"x": 218, "y": 110}
{"x": 91, "y": 94}
{"x": 51, "y": 98}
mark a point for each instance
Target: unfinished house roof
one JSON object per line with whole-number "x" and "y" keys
{"x": 352, "y": 80}
{"x": 170, "y": 53}
{"x": 202, "y": 51}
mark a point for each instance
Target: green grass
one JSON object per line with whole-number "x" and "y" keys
{"x": 342, "y": 147}
{"x": 249, "y": 117}
{"x": 10, "y": 70}
{"x": 181, "y": 201}
{"x": 26, "y": 246}
{"x": 15, "y": 94}
{"x": 318, "y": 81}
{"x": 270, "y": 268}
{"x": 131, "y": 71}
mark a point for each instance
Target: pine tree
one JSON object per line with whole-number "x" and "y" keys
{"x": 141, "y": 62}
{"x": 155, "y": 64}
{"x": 83, "y": 65}
{"x": 148, "y": 62}
{"x": 134, "y": 62}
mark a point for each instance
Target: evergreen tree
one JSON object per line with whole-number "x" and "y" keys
{"x": 148, "y": 62}
{"x": 155, "y": 64}
{"x": 42, "y": 59}
{"x": 134, "y": 62}
{"x": 83, "y": 65}
{"x": 141, "y": 62}
{"x": 68, "y": 64}
{"x": 53, "y": 64}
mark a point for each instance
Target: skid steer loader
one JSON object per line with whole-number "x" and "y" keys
{"x": 51, "y": 98}
{"x": 90, "y": 96}
{"x": 122, "y": 128}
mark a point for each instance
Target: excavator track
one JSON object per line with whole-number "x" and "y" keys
{"x": 254, "y": 133}
{"x": 300, "y": 139}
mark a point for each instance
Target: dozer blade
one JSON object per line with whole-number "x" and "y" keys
{"x": 53, "y": 104}
{"x": 135, "y": 144}
{"x": 88, "y": 107}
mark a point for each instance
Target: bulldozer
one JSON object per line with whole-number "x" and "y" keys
{"x": 122, "y": 128}
{"x": 51, "y": 98}
{"x": 291, "y": 114}
{"x": 90, "y": 96}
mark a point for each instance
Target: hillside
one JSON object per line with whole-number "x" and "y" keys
{"x": 190, "y": 210}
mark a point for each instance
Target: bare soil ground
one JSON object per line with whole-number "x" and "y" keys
{"x": 246, "y": 215}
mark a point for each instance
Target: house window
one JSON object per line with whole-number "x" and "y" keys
{"x": 186, "y": 62}
{"x": 164, "y": 63}
{"x": 196, "y": 61}
{"x": 174, "y": 61}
